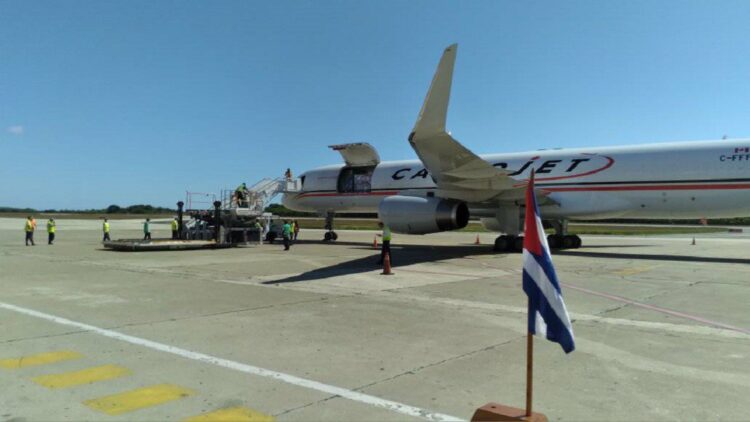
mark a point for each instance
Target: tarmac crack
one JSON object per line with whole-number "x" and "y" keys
{"x": 14, "y": 340}
{"x": 212, "y": 314}
{"x": 413, "y": 371}
{"x": 646, "y": 299}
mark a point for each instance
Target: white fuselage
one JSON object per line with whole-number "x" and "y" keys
{"x": 662, "y": 181}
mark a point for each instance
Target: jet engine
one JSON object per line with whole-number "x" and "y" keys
{"x": 418, "y": 215}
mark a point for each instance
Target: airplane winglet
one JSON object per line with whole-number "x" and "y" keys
{"x": 432, "y": 117}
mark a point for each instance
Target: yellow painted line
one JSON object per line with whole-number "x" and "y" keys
{"x": 40, "y": 359}
{"x": 232, "y": 414}
{"x": 84, "y": 376}
{"x": 129, "y": 401}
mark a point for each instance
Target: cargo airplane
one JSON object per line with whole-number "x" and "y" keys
{"x": 449, "y": 183}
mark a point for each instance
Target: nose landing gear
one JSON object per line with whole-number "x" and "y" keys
{"x": 330, "y": 235}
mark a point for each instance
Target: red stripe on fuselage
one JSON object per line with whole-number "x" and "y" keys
{"x": 321, "y": 194}
{"x": 648, "y": 187}
{"x": 723, "y": 186}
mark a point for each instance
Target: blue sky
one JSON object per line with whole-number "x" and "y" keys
{"x": 107, "y": 102}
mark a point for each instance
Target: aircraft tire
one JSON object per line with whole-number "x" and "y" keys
{"x": 334, "y": 236}
{"x": 577, "y": 242}
{"x": 328, "y": 236}
{"x": 568, "y": 242}
{"x": 518, "y": 243}
{"x": 554, "y": 241}
{"x": 502, "y": 243}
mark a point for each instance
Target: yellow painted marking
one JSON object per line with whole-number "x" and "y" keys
{"x": 84, "y": 376}
{"x": 129, "y": 401}
{"x": 232, "y": 414}
{"x": 40, "y": 359}
{"x": 632, "y": 271}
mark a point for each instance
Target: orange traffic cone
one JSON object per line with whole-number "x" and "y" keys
{"x": 387, "y": 265}
{"x": 476, "y": 242}
{"x": 375, "y": 242}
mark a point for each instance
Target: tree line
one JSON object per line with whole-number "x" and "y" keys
{"x": 112, "y": 209}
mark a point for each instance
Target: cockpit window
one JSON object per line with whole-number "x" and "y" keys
{"x": 355, "y": 179}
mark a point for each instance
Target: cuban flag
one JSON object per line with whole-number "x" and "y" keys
{"x": 547, "y": 313}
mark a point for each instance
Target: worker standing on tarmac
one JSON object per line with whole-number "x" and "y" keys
{"x": 105, "y": 229}
{"x": 147, "y": 229}
{"x": 175, "y": 227}
{"x": 296, "y": 230}
{"x": 51, "y": 229}
{"x": 386, "y": 247}
{"x": 29, "y": 230}
{"x": 286, "y": 233}
{"x": 259, "y": 228}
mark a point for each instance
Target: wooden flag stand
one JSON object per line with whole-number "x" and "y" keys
{"x": 498, "y": 412}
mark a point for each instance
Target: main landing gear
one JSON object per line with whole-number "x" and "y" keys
{"x": 512, "y": 243}
{"x": 509, "y": 243}
{"x": 568, "y": 241}
{"x": 330, "y": 235}
{"x": 560, "y": 240}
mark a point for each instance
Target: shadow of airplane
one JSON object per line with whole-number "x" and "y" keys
{"x": 401, "y": 256}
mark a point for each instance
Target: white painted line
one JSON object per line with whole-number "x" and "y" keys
{"x": 241, "y": 367}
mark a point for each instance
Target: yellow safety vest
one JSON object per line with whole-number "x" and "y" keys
{"x": 175, "y": 225}
{"x": 387, "y": 233}
{"x": 51, "y": 227}
{"x": 29, "y": 226}
{"x": 105, "y": 227}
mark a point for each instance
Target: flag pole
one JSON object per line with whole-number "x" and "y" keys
{"x": 529, "y": 335}
{"x": 529, "y": 370}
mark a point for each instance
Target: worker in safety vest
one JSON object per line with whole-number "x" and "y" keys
{"x": 29, "y": 228}
{"x": 259, "y": 228}
{"x": 175, "y": 227}
{"x": 295, "y": 229}
{"x": 386, "y": 246}
{"x": 105, "y": 230}
{"x": 51, "y": 229}
{"x": 286, "y": 233}
{"x": 241, "y": 194}
{"x": 147, "y": 229}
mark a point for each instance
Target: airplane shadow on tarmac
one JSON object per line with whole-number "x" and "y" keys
{"x": 401, "y": 255}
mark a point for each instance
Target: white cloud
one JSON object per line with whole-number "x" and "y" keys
{"x": 15, "y": 130}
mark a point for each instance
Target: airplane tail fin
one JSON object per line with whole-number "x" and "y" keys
{"x": 432, "y": 117}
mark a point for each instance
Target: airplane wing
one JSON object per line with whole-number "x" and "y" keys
{"x": 458, "y": 172}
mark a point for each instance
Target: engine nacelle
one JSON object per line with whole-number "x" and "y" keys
{"x": 418, "y": 215}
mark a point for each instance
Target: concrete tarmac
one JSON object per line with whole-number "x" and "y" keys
{"x": 662, "y": 329}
